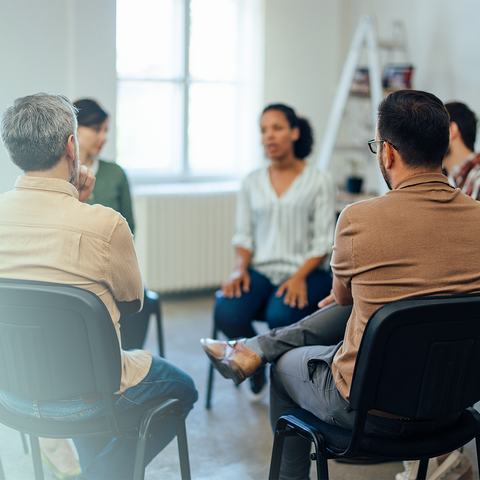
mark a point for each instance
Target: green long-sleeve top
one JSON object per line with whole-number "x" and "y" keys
{"x": 112, "y": 190}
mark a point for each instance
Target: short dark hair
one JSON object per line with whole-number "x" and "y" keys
{"x": 89, "y": 113}
{"x": 417, "y": 123}
{"x": 303, "y": 146}
{"x": 466, "y": 120}
{"x": 35, "y": 130}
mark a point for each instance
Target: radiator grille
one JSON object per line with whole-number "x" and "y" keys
{"x": 183, "y": 236}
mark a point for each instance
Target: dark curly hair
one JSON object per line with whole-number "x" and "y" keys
{"x": 303, "y": 146}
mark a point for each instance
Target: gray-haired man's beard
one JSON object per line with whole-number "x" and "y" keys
{"x": 75, "y": 166}
{"x": 74, "y": 171}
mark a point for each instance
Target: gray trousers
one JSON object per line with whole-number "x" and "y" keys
{"x": 323, "y": 327}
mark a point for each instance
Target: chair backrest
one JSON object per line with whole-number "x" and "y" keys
{"x": 420, "y": 358}
{"x": 57, "y": 341}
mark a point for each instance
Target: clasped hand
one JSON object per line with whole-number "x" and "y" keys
{"x": 84, "y": 183}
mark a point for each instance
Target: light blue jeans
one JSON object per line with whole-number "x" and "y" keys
{"x": 103, "y": 458}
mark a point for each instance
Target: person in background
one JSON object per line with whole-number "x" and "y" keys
{"x": 461, "y": 163}
{"x": 284, "y": 234}
{"x": 111, "y": 185}
{"x": 111, "y": 190}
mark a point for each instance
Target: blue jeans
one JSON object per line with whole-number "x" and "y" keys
{"x": 104, "y": 458}
{"x": 234, "y": 316}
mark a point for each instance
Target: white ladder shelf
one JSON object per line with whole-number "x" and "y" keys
{"x": 365, "y": 36}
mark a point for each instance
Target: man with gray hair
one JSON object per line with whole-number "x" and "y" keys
{"x": 48, "y": 233}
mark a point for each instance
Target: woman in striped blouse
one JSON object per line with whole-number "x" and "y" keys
{"x": 283, "y": 238}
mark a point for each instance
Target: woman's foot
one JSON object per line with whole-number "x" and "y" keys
{"x": 258, "y": 385}
{"x": 58, "y": 456}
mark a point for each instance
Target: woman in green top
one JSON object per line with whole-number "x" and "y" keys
{"x": 111, "y": 190}
{"x": 111, "y": 185}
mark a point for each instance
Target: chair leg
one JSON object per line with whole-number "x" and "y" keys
{"x": 211, "y": 372}
{"x": 208, "y": 404}
{"x": 25, "y": 444}
{"x": 158, "y": 314}
{"x": 320, "y": 457}
{"x": 183, "y": 449}
{"x": 422, "y": 470}
{"x": 141, "y": 449}
{"x": 277, "y": 453}
{"x": 477, "y": 445}
{"x": 140, "y": 458}
{"x": 37, "y": 459}
{"x": 2, "y": 473}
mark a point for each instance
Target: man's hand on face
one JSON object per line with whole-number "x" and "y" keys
{"x": 84, "y": 183}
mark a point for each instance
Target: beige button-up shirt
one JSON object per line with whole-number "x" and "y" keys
{"x": 47, "y": 235}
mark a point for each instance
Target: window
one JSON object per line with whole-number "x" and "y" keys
{"x": 188, "y": 87}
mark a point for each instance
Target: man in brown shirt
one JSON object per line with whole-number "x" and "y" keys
{"x": 389, "y": 248}
{"x": 48, "y": 233}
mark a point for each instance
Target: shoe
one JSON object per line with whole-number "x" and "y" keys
{"x": 232, "y": 359}
{"x": 258, "y": 385}
{"x": 58, "y": 456}
{"x": 258, "y": 381}
{"x": 456, "y": 466}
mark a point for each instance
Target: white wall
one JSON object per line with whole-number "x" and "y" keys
{"x": 303, "y": 47}
{"x": 443, "y": 38}
{"x": 60, "y": 46}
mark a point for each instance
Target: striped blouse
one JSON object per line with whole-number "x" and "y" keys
{"x": 283, "y": 232}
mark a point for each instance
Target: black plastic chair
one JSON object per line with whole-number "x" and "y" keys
{"x": 59, "y": 342}
{"x": 258, "y": 317}
{"x": 420, "y": 359}
{"x": 134, "y": 327}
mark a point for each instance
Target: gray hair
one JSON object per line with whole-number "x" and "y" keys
{"x": 35, "y": 130}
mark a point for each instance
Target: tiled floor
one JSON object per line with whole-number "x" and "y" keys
{"x": 232, "y": 441}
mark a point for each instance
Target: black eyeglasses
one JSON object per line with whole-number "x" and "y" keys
{"x": 372, "y": 144}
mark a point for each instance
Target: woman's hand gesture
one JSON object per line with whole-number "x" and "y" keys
{"x": 295, "y": 289}
{"x": 233, "y": 286}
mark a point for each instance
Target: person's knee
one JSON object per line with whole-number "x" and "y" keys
{"x": 231, "y": 318}
{"x": 180, "y": 384}
{"x": 226, "y": 313}
{"x": 283, "y": 315}
{"x": 185, "y": 390}
{"x": 190, "y": 395}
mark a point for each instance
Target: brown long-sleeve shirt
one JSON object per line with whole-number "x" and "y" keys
{"x": 420, "y": 239}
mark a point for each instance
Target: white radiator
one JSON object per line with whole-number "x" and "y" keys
{"x": 183, "y": 235}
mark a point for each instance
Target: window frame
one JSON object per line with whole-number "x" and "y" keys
{"x": 146, "y": 176}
